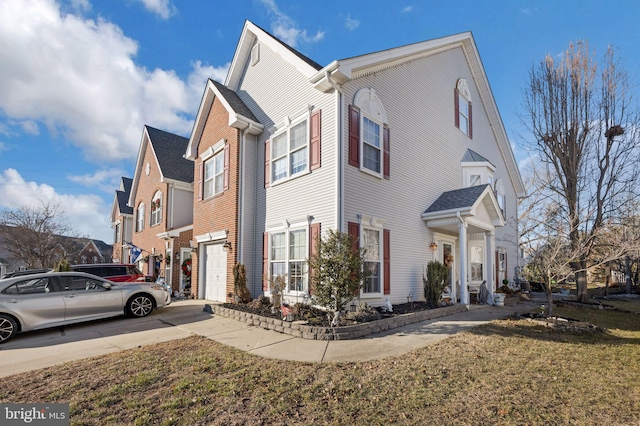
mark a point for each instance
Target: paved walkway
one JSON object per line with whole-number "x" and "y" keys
{"x": 186, "y": 318}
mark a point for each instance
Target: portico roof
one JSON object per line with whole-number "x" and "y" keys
{"x": 476, "y": 206}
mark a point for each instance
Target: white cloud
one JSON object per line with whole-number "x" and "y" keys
{"x": 351, "y": 24}
{"x": 162, "y": 8}
{"x": 407, "y": 9}
{"x": 82, "y": 211}
{"x": 286, "y": 28}
{"x": 80, "y": 81}
{"x": 105, "y": 180}
{"x": 3, "y": 147}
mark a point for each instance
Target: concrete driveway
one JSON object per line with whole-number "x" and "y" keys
{"x": 45, "y": 348}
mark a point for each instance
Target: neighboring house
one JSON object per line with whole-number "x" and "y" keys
{"x": 90, "y": 251}
{"x": 122, "y": 222}
{"x": 74, "y": 249}
{"x": 404, "y": 149}
{"x": 162, "y": 201}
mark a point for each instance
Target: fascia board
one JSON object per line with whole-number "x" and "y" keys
{"x": 491, "y": 108}
{"x": 138, "y": 169}
{"x": 198, "y": 124}
{"x": 444, "y": 214}
{"x": 372, "y": 62}
{"x": 236, "y": 120}
{"x": 249, "y": 33}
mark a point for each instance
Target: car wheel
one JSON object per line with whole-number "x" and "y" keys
{"x": 140, "y": 306}
{"x": 8, "y": 328}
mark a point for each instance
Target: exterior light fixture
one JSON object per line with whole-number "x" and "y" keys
{"x": 433, "y": 246}
{"x": 226, "y": 246}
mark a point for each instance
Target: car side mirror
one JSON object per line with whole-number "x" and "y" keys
{"x": 106, "y": 286}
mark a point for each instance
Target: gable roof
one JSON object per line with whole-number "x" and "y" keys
{"x": 340, "y": 71}
{"x": 252, "y": 33}
{"x": 168, "y": 150}
{"x": 473, "y": 157}
{"x": 452, "y": 205}
{"x": 457, "y": 199}
{"x": 240, "y": 116}
{"x": 122, "y": 196}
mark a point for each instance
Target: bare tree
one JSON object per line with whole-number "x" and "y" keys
{"x": 35, "y": 235}
{"x": 586, "y": 135}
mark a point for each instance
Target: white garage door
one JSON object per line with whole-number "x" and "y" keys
{"x": 215, "y": 273}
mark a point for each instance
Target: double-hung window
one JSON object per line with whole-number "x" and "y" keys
{"x": 372, "y": 261}
{"x": 463, "y": 108}
{"x": 290, "y": 151}
{"x": 371, "y": 147}
{"x": 156, "y": 209}
{"x": 288, "y": 258}
{"x": 140, "y": 218}
{"x": 214, "y": 175}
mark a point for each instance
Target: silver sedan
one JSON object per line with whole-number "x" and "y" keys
{"x": 36, "y": 301}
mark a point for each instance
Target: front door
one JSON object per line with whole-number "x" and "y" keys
{"x": 215, "y": 273}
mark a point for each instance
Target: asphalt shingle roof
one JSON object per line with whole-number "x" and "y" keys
{"x": 234, "y": 101}
{"x": 308, "y": 60}
{"x": 473, "y": 157}
{"x": 123, "y": 196}
{"x": 170, "y": 149}
{"x": 457, "y": 199}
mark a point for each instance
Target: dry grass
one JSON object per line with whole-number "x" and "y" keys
{"x": 506, "y": 372}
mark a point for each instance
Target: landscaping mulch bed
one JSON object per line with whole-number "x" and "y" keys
{"x": 318, "y": 317}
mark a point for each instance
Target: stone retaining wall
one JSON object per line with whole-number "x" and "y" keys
{"x": 301, "y": 329}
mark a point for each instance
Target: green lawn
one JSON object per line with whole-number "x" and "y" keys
{"x": 506, "y": 372}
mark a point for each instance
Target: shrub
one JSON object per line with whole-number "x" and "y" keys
{"x": 63, "y": 266}
{"x": 435, "y": 281}
{"x": 240, "y": 283}
{"x": 336, "y": 271}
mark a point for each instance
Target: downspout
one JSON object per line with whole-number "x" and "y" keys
{"x": 239, "y": 246}
{"x": 339, "y": 171}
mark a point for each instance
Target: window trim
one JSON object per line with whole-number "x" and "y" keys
{"x": 155, "y": 215}
{"x": 286, "y": 129}
{"x": 380, "y": 148}
{"x": 380, "y": 292}
{"x": 287, "y": 256}
{"x": 483, "y": 259}
{"x": 140, "y": 212}
{"x": 215, "y": 175}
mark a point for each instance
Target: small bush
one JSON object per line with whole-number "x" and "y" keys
{"x": 435, "y": 281}
{"x": 364, "y": 313}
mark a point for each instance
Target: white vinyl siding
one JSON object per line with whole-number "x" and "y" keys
{"x": 426, "y": 160}
{"x": 308, "y": 193}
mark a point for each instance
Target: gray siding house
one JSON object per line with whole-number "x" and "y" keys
{"x": 403, "y": 148}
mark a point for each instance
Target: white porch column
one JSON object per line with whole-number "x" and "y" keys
{"x": 491, "y": 267}
{"x": 462, "y": 237}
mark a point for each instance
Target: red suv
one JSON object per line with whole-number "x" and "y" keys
{"x": 116, "y": 272}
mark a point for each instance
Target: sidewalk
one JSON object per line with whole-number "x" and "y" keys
{"x": 34, "y": 350}
{"x": 271, "y": 344}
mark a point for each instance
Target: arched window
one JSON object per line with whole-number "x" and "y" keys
{"x": 140, "y": 217}
{"x": 463, "y": 111}
{"x": 156, "y": 208}
{"x": 369, "y": 134}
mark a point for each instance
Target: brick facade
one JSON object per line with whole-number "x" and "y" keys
{"x": 219, "y": 212}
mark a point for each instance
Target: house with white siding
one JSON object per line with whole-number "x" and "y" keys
{"x": 403, "y": 148}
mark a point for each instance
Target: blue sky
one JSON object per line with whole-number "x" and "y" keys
{"x": 80, "y": 78}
